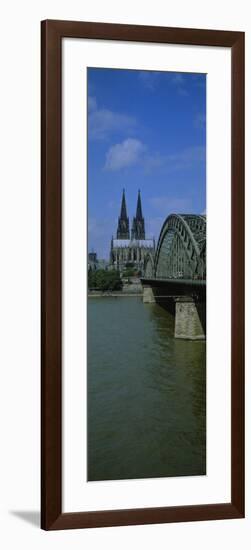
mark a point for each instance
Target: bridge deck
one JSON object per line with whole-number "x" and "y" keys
{"x": 163, "y": 282}
{"x": 176, "y": 287}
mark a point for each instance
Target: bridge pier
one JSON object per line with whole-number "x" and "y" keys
{"x": 148, "y": 295}
{"x": 190, "y": 319}
{"x": 188, "y": 296}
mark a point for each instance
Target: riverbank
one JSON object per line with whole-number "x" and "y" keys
{"x": 131, "y": 289}
{"x": 112, "y": 294}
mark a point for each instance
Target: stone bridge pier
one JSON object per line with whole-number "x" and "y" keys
{"x": 190, "y": 318}
{"x": 148, "y": 295}
{"x": 186, "y": 300}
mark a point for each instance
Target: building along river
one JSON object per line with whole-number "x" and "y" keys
{"x": 146, "y": 393}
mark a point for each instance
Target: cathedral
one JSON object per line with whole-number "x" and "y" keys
{"x": 130, "y": 250}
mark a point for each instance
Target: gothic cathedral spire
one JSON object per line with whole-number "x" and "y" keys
{"x": 123, "y": 231}
{"x": 139, "y": 208}
{"x": 138, "y": 226}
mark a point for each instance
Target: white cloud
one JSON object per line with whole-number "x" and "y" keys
{"x": 102, "y": 122}
{"x": 132, "y": 151}
{"x": 183, "y": 160}
{"x": 127, "y": 153}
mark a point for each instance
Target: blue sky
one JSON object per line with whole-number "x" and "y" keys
{"x": 147, "y": 131}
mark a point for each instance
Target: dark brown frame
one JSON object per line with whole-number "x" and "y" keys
{"x": 51, "y": 483}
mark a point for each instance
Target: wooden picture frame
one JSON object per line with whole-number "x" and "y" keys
{"x": 51, "y": 485}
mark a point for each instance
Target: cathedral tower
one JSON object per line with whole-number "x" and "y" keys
{"x": 130, "y": 252}
{"x": 138, "y": 226}
{"x": 123, "y": 231}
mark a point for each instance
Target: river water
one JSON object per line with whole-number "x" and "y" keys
{"x": 146, "y": 393}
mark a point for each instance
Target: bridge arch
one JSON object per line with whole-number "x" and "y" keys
{"x": 181, "y": 248}
{"x": 149, "y": 266}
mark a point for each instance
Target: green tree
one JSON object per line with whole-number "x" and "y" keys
{"x": 104, "y": 280}
{"x": 91, "y": 279}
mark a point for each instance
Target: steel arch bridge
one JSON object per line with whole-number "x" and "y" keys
{"x": 181, "y": 249}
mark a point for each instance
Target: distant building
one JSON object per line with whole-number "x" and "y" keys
{"x": 130, "y": 250}
{"x": 92, "y": 257}
{"x": 94, "y": 263}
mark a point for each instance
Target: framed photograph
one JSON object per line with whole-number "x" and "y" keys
{"x": 142, "y": 275}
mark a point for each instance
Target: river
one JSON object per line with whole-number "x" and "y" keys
{"x": 146, "y": 393}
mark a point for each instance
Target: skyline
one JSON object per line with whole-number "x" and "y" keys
{"x": 147, "y": 131}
